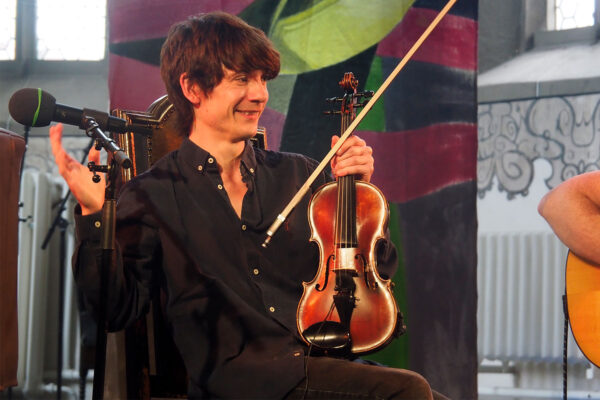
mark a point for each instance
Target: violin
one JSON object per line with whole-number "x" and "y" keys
{"x": 348, "y": 308}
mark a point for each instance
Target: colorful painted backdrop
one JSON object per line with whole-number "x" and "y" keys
{"x": 423, "y": 132}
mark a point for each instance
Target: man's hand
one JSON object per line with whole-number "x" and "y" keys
{"x": 90, "y": 195}
{"x": 353, "y": 158}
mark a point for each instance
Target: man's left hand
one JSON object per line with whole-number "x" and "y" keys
{"x": 354, "y": 157}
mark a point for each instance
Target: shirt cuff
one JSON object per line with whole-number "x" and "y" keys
{"x": 88, "y": 227}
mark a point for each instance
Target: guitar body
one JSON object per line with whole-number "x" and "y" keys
{"x": 583, "y": 304}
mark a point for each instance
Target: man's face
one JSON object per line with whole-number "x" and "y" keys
{"x": 233, "y": 107}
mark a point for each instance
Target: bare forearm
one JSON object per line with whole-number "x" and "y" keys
{"x": 573, "y": 211}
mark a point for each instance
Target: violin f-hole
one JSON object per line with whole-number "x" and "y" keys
{"x": 318, "y": 287}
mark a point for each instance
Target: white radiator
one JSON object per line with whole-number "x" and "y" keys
{"x": 38, "y": 291}
{"x": 521, "y": 281}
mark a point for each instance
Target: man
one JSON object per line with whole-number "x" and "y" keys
{"x": 573, "y": 211}
{"x": 193, "y": 226}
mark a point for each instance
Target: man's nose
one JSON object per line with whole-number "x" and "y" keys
{"x": 257, "y": 91}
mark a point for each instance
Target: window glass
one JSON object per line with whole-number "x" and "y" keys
{"x": 8, "y": 29}
{"x": 70, "y": 29}
{"x": 571, "y": 14}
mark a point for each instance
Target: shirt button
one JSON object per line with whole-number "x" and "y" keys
{"x": 211, "y": 160}
{"x": 251, "y": 170}
{"x": 297, "y": 354}
{"x": 272, "y": 309}
{"x": 243, "y": 227}
{"x": 256, "y": 272}
{"x": 220, "y": 186}
{"x": 200, "y": 167}
{"x": 97, "y": 224}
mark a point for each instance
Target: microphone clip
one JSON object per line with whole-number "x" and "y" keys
{"x": 95, "y": 168}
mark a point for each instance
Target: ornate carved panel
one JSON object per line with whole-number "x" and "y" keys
{"x": 563, "y": 130}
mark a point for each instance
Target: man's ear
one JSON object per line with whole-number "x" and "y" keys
{"x": 190, "y": 89}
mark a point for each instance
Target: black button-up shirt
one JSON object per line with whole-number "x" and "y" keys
{"x": 230, "y": 302}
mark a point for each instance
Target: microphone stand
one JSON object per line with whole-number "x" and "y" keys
{"x": 62, "y": 224}
{"x": 117, "y": 158}
{"x": 26, "y": 137}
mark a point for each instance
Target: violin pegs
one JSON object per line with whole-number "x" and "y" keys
{"x": 367, "y": 93}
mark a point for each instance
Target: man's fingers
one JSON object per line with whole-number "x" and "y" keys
{"x": 61, "y": 157}
{"x": 94, "y": 155}
{"x": 334, "y": 140}
{"x": 352, "y": 147}
{"x": 56, "y": 139}
{"x": 353, "y": 157}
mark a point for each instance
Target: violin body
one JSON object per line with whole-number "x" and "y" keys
{"x": 347, "y": 308}
{"x": 374, "y": 315}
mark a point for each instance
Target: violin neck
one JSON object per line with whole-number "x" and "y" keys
{"x": 345, "y": 226}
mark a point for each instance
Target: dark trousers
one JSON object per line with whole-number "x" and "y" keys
{"x": 331, "y": 378}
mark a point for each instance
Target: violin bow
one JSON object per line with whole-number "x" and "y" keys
{"x": 302, "y": 191}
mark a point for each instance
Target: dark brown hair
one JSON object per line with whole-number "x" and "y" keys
{"x": 201, "y": 46}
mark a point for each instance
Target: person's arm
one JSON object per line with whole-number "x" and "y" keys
{"x": 131, "y": 277}
{"x": 137, "y": 242}
{"x": 573, "y": 211}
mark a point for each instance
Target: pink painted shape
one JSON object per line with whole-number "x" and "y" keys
{"x": 452, "y": 43}
{"x": 144, "y": 19}
{"x": 133, "y": 85}
{"x": 273, "y": 122}
{"x": 414, "y": 163}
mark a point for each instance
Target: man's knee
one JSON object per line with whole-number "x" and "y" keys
{"x": 415, "y": 387}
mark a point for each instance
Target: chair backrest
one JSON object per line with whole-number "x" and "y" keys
{"x": 12, "y": 149}
{"x": 145, "y": 352}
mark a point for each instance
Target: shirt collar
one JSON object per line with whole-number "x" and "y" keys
{"x": 200, "y": 159}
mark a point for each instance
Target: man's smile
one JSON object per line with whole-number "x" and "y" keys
{"x": 250, "y": 113}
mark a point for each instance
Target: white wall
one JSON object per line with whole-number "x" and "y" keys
{"x": 496, "y": 213}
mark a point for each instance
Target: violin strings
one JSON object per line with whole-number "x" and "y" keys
{"x": 344, "y": 185}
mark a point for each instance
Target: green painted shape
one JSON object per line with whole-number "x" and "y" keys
{"x": 259, "y": 14}
{"x": 280, "y": 92}
{"x": 396, "y": 354}
{"x": 332, "y": 31}
{"x": 375, "y": 119}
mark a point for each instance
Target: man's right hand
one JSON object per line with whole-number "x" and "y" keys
{"x": 90, "y": 195}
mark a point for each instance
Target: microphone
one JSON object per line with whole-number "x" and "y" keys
{"x": 35, "y": 107}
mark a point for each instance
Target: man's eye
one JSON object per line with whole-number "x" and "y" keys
{"x": 242, "y": 78}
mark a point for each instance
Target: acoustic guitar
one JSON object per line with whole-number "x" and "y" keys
{"x": 583, "y": 305}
